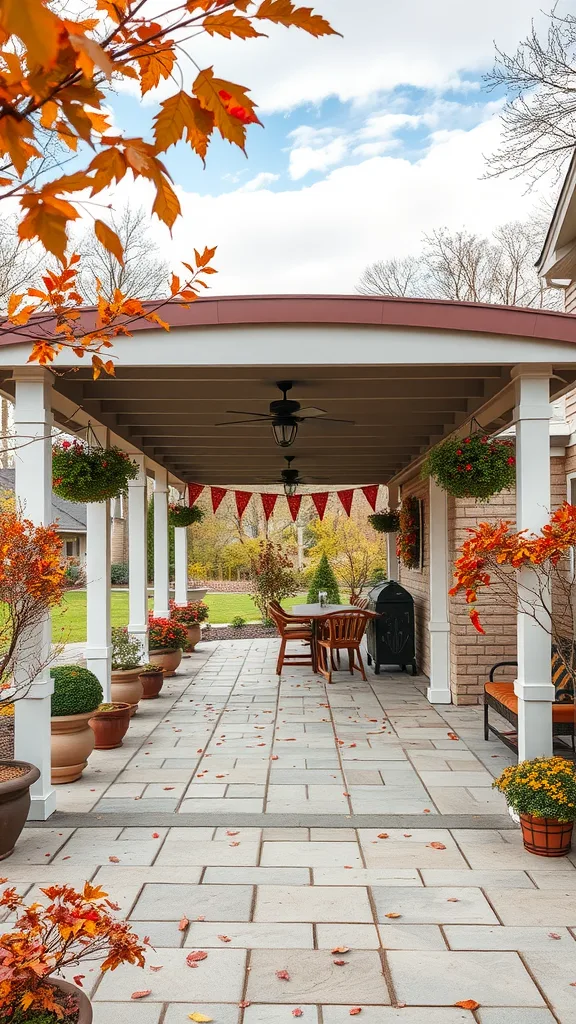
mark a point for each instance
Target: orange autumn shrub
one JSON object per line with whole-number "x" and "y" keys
{"x": 46, "y": 940}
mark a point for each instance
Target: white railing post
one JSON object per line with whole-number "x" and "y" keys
{"x": 439, "y": 625}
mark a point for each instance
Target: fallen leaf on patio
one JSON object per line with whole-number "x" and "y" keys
{"x": 426, "y": 810}
{"x": 200, "y": 750}
{"x": 114, "y": 860}
{"x": 159, "y": 968}
{"x": 392, "y": 915}
{"x": 141, "y": 995}
{"x": 200, "y": 1018}
{"x": 340, "y": 963}
{"x": 407, "y": 835}
{"x": 348, "y": 867}
{"x": 383, "y": 835}
{"x": 274, "y": 757}
{"x": 66, "y": 858}
{"x": 341, "y": 742}
{"x": 244, "y": 1003}
{"x": 220, "y": 776}
{"x": 467, "y": 1004}
{"x": 297, "y": 1012}
{"x": 453, "y": 899}
{"x": 201, "y": 918}
{"x": 195, "y": 956}
{"x": 283, "y": 975}
{"x": 78, "y": 979}
{"x": 168, "y": 787}
{"x": 229, "y": 832}
{"x": 554, "y": 935}
{"x": 155, "y": 835}
{"x": 436, "y": 846}
{"x": 351, "y": 744}
{"x": 345, "y": 794}
{"x": 453, "y": 736}
{"x": 341, "y": 949}
{"x": 225, "y": 938}
{"x": 355, "y": 1010}
{"x": 234, "y": 844}
{"x": 184, "y": 922}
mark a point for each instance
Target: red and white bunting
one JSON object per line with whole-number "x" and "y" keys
{"x": 268, "y": 503}
{"x": 194, "y": 492}
{"x": 320, "y": 500}
{"x": 346, "y": 500}
{"x": 294, "y": 502}
{"x": 242, "y": 500}
{"x": 218, "y": 493}
{"x": 371, "y": 495}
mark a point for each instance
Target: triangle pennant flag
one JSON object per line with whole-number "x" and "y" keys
{"x": 371, "y": 495}
{"x": 294, "y": 502}
{"x": 217, "y": 494}
{"x": 346, "y": 500}
{"x": 268, "y": 503}
{"x": 320, "y": 500}
{"x": 194, "y": 492}
{"x": 242, "y": 499}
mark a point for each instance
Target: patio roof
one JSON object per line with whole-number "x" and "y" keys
{"x": 407, "y": 372}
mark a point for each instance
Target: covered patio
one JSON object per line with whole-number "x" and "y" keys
{"x": 406, "y": 372}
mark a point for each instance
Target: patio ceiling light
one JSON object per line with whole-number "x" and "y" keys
{"x": 284, "y": 431}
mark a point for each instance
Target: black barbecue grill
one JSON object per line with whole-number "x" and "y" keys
{"x": 390, "y": 637}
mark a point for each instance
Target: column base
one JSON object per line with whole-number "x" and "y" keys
{"x": 438, "y": 696}
{"x": 41, "y": 807}
{"x": 160, "y": 613}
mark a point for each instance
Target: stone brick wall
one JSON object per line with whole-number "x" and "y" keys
{"x": 417, "y": 581}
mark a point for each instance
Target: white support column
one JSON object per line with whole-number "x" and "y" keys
{"x": 533, "y": 685}
{"x": 439, "y": 625}
{"x": 393, "y": 566}
{"x": 138, "y": 556}
{"x": 33, "y": 466}
{"x": 161, "y": 566}
{"x": 98, "y": 650}
{"x": 181, "y": 565}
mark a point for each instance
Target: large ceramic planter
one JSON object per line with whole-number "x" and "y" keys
{"x": 14, "y": 802}
{"x": 110, "y": 727}
{"x": 71, "y": 745}
{"x": 126, "y": 687}
{"x": 546, "y": 837}
{"x": 194, "y": 635}
{"x": 167, "y": 659}
{"x": 152, "y": 683}
{"x": 84, "y": 1004}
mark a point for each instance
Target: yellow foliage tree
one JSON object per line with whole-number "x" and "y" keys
{"x": 352, "y": 552}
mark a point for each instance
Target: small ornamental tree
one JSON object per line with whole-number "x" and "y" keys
{"x": 324, "y": 579}
{"x": 492, "y": 553}
{"x": 272, "y": 576}
{"x": 32, "y": 581}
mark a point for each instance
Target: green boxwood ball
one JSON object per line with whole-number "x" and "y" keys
{"x": 76, "y": 691}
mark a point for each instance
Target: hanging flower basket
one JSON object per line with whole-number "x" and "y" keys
{"x": 182, "y": 515}
{"x": 408, "y": 546}
{"x": 385, "y": 522}
{"x": 476, "y": 466}
{"x": 87, "y": 473}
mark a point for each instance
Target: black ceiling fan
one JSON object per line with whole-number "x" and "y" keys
{"x": 285, "y": 415}
{"x": 290, "y": 477}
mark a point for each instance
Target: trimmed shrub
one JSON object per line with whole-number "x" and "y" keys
{"x": 119, "y": 574}
{"x": 238, "y": 621}
{"x": 76, "y": 691}
{"x": 324, "y": 579}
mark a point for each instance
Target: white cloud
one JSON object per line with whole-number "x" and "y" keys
{"x": 304, "y": 159}
{"x": 319, "y": 238}
{"x": 383, "y": 126}
{"x": 260, "y": 180}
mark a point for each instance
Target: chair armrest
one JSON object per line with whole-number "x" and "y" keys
{"x": 502, "y": 664}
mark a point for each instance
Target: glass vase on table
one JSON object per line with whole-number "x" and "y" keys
{"x": 323, "y": 598}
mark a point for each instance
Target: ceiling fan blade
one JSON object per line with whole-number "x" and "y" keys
{"x": 330, "y": 419}
{"x": 247, "y": 412}
{"x": 310, "y": 412}
{"x": 231, "y": 423}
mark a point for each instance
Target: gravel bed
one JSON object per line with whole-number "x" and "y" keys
{"x": 251, "y": 632}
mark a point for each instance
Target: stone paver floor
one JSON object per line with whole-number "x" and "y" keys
{"x": 303, "y": 865}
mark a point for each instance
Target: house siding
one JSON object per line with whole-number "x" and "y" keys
{"x": 417, "y": 581}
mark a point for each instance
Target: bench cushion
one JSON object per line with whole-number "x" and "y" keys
{"x": 562, "y": 679}
{"x": 504, "y": 694}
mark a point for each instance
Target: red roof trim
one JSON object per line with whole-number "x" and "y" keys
{"x": 360, "y": 310}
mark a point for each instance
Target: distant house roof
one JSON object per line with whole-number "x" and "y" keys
{"x": 557, "y": 260}
{"x": 70, "y": 516}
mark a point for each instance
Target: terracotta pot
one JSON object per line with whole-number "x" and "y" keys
{"x": 126, "y": 687}
{"x": 152, "y": 683}
{"x": 194, "y": 635}
{"x": 110, "y": 727}
{"x": 72, "y": 743}
{"x": 14, "y": 804}
{"x": 84, "y": 1004}
{"x": 167, "y": 659}
{"x": 546, "y": 837}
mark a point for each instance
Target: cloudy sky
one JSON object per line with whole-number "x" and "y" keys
{"x": 368, "y": 141}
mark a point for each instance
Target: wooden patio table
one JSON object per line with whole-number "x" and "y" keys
{"x": 314, "y": 612}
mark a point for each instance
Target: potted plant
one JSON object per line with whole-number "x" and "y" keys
{"x": 476, "y": 466}
{"x": 408, "y": 546}
{"x": 110, "y": 723}
{"x": 44, "y": 941}
{"x": 84, "y": 472}
{"x": 184, "y": 515}
{"x": 77, "y": 694}
{"x": 385, "y": 522}
{"x": 167, "y": 639}
{"x": 543, "y": 794}
{"x": 32, "y": 581}
{"x": 190, "y": 615}
{"x": 126, "y": 667}
{"x": 152, "y": 679}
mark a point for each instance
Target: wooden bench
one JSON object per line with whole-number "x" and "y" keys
{"x": 502, "y": 699}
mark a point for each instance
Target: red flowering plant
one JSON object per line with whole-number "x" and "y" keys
{"x": 476, "y": 466}
{"x": 189, "y": 614}
{"x": 493, "y": 551}
{"x": 84, "y": 472}
{"x": 46, "y": 940}
{"x": 166, "y": 634}
{"x": 409, "y": 538}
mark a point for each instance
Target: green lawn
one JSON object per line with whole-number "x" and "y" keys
{"x": 69, "y": 620}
